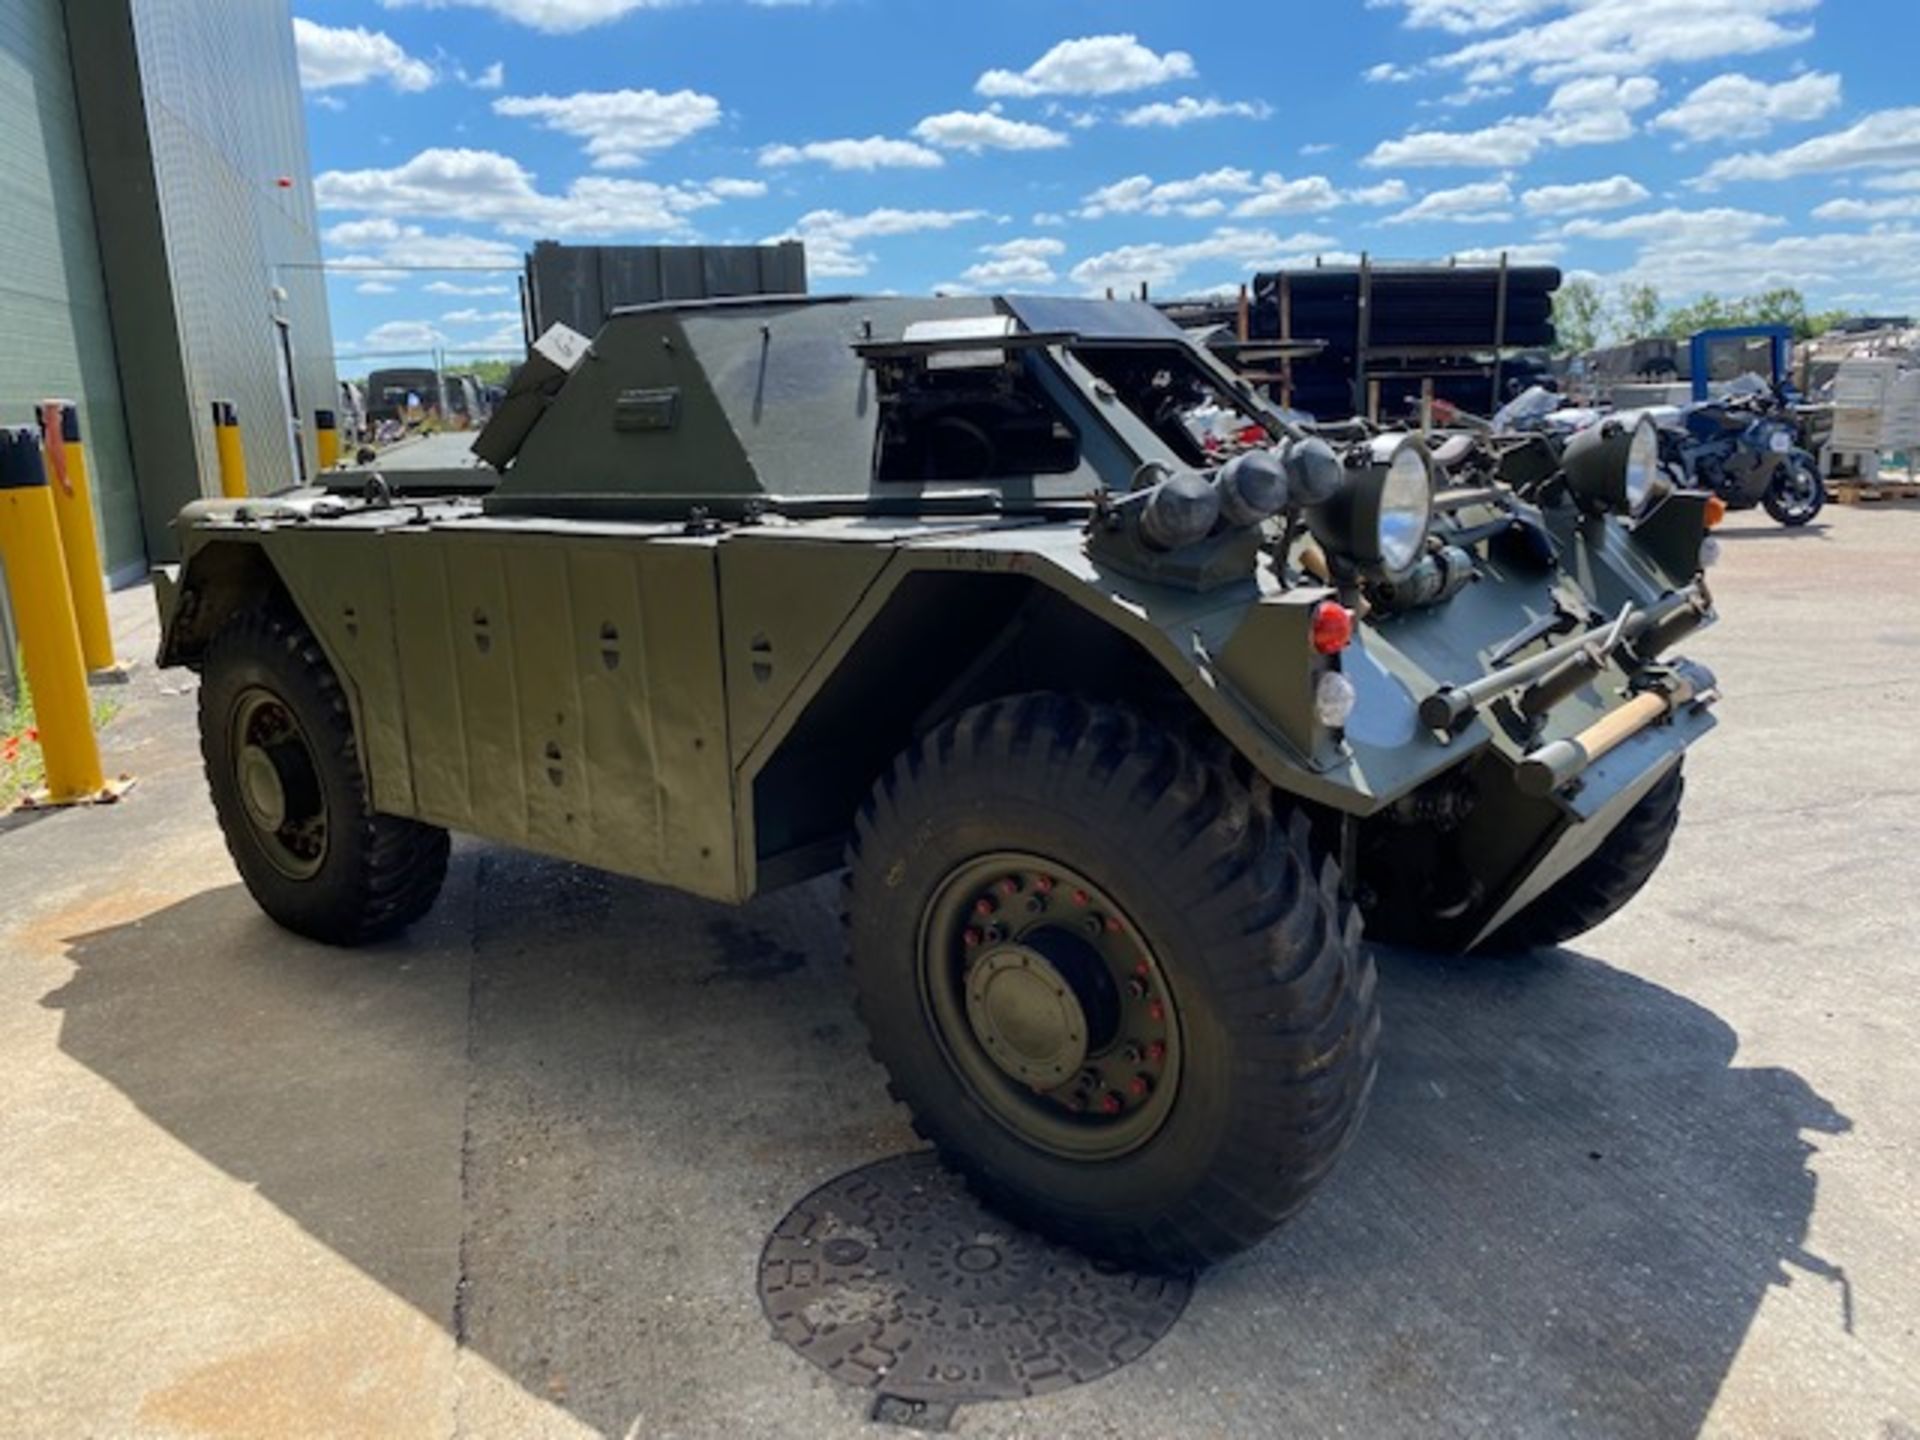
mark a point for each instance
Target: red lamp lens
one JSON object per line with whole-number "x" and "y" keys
{"x": 1332, "y": 627}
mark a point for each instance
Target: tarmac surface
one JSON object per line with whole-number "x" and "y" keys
{"x": 511, "y": 1175}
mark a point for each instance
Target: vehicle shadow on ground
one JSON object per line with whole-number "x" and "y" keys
{"x": 1564, "y": 1209}
{"x": 1812, "y": 530}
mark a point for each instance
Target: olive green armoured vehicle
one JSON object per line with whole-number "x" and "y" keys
{"x": 1120, "y": 701}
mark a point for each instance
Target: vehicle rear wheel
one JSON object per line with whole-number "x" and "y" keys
{"x": 1797, "y": 493}
{"x": 291, "y": 797}
{"x": 1603, "y": 882}
{"x": 1112, "y": 979}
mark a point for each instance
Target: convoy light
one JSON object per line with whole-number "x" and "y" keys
{"x": 1379, "y": 516}
{"x": 1333, "y": 700}
{"x": 1252, "y": 487}
{"x": 1180, "y": 511}
{"x": 1611, "y": 466}
{"x": 1716, "y": 511}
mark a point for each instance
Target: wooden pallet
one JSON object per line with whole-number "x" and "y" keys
{"x": 1853, "y": 492}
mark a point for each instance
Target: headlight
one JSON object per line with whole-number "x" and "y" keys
{"x": 1612, "y": 466}
{"x": 1378, "y": 518}
{"x": 1643, "y": 463}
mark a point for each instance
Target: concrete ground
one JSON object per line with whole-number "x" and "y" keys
{"x": 510, "y": 1176}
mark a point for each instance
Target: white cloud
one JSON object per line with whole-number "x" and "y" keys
{"x": 404, "y": 335}
{"x": 353, "y": 55}
{"x": 1613, "y": 37}
{"x": 1095, "y": 65}
{"x": 621, "y": 127}
{"x": 832, "y": 237}
{"x": 1597, "y": 109}
{"x": 483, "y": 186}
{"x": 1014, "y": 263}
{"x": 876, "y": 152}
{"x": 1387, "y": 73}
{"x": 1278, "y": 195}
{"x": 1466, "y": 17}
{"x": 1139, "y": 194}
{"x": 1209, "y": 194}
{"x": 1886, "y": 137}
{"x": 1737, "y": 107}
{"x": 491, "y": 78}
{"x": 1161, "y": 265}
{"x": 978, "y": 130}
{"x": 555, "y": 17}
{"x": 449, "y": 287}
{"x": 1484, "y": 203}
{"x": 1675, "y": 227}
{"x": 375, "y": 287}
{"x": 1878, "y": 261}
{"x": 1909, "y": 180}
{"x": 1186, "y": 110}
{"x": 1899, "y": 207}
{"x": 1502, "y": 146}
{"x": 1539, "y": 253}
{"x": 1387, "y": 192}
{"x": 1589, "y": 110}
{"x": 1585, "y": 197}
{"x": 473, "y": 316}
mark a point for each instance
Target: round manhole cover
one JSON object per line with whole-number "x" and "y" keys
{"x": 895, "y": 1279}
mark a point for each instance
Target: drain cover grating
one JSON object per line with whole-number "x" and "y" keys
{"x": 893, "y": 1278}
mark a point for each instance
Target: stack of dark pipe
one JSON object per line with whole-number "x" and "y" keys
{"x": 1450, "y": 313}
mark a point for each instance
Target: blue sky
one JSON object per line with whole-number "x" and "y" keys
{"x": 1069, "y": 145}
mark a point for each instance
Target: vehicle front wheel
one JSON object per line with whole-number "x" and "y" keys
{"x": 1112, "y": 979}
{"x": 1603, "y": 882}
{"x": 1797, "y": 493}
{"x": 291, "y": 797}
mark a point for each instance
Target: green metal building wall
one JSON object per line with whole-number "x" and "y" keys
{"x": 56, "y": 335}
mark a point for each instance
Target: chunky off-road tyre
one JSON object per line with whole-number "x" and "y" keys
{"x": 1605, "y": 880}
{"x": 1797, "y": 495}
{"x": 1111, "y": 978}
{"x": 292, "y": 800}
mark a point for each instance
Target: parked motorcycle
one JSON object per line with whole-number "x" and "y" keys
{"x": 1742, "y": 448}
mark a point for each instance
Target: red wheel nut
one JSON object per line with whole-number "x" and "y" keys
{"x": 1111, "y": 1102}
{"x": 1157, "y": 1010}
{"x": 1079, "y": 897}
{"x": 1009, "y": 886}
{"x": 1157, "y": 1051}
{"x": 1113, "y": 924}
{"x": 1139, "y": 1085}
{"x": 1043, "y": 883}
{"x": 972, "y": 938}
{"x": 983, "y": 906}
{"x": 1142, "y": 969}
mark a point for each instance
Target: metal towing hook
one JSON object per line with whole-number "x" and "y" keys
{"x": 1555, "y": 766}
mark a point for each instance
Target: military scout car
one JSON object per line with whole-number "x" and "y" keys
{"x": 1119, "y": 700}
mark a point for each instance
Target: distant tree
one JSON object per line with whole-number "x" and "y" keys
{"x": 1709, "y": 312}
{"x": 1784, "y": 306}
{"x": 1638, "y": 311}
{"x": 1577, "y": 308}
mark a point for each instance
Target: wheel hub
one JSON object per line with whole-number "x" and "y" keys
{"x": 1027, "y": 1016}
{"x": 1050, "y": 1004}
{"x": 260, "y": 787}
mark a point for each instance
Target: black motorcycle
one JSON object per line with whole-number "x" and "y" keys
{"x": 1743, "y": 448}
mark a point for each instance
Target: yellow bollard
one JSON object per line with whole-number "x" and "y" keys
{"x": 73, "y": 508}
{"x": 49, "y": 634}
{"x": 326, "y": 438}
{"x": 233, "y": 455}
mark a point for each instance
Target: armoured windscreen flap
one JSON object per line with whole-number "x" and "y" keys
{"x": 550, "y": 361}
